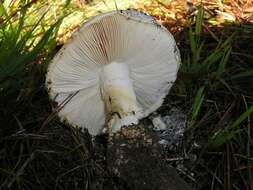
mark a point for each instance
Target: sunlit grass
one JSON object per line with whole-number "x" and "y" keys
{"x": 22, "y": 42}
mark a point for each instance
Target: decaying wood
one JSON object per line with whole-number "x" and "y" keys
{"x": 134, "y": 156}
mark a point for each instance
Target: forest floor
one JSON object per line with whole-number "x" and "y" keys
{"x": 214, "y": 90}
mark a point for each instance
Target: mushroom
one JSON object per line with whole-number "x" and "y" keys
{"x": 118, "y": 67}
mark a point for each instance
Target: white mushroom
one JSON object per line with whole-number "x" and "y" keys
{"x": 120, "y": 63}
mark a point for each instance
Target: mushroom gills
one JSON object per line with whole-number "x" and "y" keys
{"x": 119, "y": 96}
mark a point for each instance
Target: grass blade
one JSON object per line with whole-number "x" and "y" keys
{"x": 197, "y": 105}
{"x": 229, "y": 132}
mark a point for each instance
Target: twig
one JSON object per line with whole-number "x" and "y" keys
{"x": 175, "y": 159}
{"x": 248, "y": 140}
{"x": 228, "y": 169}
{"x": 54, "y": 113}
{"x": 236, "y": 162}
{"x": 19, "y": 172}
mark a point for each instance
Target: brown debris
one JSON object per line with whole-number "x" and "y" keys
{"x": 175, "y": 13}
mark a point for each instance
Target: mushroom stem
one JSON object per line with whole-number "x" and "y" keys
{"x": 119, "y": 96}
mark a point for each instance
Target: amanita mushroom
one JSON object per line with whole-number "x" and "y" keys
{"x": 119, "y": 65}
{"x": 117, "y": 69}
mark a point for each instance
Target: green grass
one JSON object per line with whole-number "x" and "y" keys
{"x": 230, "y": 131}
{"x": 214, "y": 88}
{"x": 198, "y": 100}
{"x": 22, "y": 47}
{"x": 212, "y": 70}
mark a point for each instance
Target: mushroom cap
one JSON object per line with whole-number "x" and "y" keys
{"x": 130, "y": 37}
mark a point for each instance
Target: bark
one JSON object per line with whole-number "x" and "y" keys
{"x": 135, "y": 156}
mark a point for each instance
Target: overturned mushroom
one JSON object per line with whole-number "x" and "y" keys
{"x": 117, "y": 69}
{"x": 119, "y": 66}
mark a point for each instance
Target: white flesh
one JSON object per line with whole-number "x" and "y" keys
{"x": 128, "y": 38}
{"x": 119, "y": 96}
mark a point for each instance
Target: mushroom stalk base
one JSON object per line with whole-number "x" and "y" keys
{"x": 119, "y": 96}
